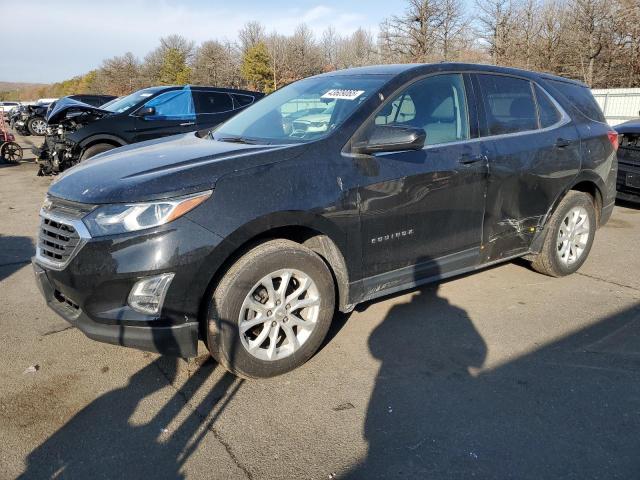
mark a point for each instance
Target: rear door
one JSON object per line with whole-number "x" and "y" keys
{"x": 534, "y": 155}
{"x": 212, "y": 107}
{"x": 174, "y": 113}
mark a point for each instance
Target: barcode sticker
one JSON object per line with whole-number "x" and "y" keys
{"x": 342, "y": 94}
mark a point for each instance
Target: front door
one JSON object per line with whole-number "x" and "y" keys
{"x": 173, "y": 113}
{"x": 422, "y": 211}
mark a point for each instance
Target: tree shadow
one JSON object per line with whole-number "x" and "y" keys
{"x": 567, "y": 410}
{"x": 101, "y": 441}
{"x": 15, "y": 253}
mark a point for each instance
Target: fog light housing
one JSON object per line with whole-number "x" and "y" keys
{"x": 147, "y": 295}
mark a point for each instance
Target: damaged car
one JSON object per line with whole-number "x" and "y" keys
{"x": 251, "y": 238}
{"x": 30, "y": 119}
{"x": 629, "y": 161}
{"x": 78, "y": 131}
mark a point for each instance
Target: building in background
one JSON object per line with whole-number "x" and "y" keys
{"x": 618, "y": 104}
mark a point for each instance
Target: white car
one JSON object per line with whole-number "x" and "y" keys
{"x": 7, "y": 107}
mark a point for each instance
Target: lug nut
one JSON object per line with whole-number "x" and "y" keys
{"x": 277, "y": 302}
{"x": 273, "y": 324}
{"x": 269, "y": 312}
{"x": 285, "y": 319}
{"x": 288, "y": 306}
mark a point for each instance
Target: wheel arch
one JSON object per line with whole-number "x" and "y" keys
{"x": 586, "y": 182}
{"x": 312, "y": 231}
{"x": 96, "y": 139}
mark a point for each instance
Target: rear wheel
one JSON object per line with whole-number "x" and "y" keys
{"x": 37, "y": 126}
{"x": 94, "y": 150}
{"x": 271, "y": 310}
{"x": 570, "y": 234}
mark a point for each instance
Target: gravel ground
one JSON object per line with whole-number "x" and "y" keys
{"x": 500, "y": 374}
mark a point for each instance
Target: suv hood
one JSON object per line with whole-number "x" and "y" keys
{"x": 163, "y": 168}
{"x": 68, "y": 107}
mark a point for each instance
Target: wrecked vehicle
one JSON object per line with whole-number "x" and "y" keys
{"x": 78, "y": 131}
{"x": 252, "y": 237}
{"x": 629, "y": 161}
{"x": 30, "y": 119}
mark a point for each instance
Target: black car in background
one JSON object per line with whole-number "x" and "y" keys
{"x": 79, "y": 131}
{"x": 629, "y": 161}
{"x": 252, "y": 237}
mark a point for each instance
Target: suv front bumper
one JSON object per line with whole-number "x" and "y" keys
{"x": 180, "y": 340}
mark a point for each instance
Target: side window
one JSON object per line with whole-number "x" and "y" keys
{"x": 242, "y": 100}
{"x": 509, "y": 104}
{"x": 212, "y": 102}
{"x": 436, "y": 104}
{"x": 581, "y": 98}
{"x": 548, "y": 113}
{"x": 173, "y": 105}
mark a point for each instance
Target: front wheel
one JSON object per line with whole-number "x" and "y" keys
{"x": 569, "y": 237}
{"x": 271, "y": 310}
{"x": 37, "y": 126}
{"x": 94, "y": 150}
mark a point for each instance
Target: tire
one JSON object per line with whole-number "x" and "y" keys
{"x": 230, "y": 307}
{"x": 94, "y": 150}
{"x": 559, "y": 258}
{"x": 37, "y": 126}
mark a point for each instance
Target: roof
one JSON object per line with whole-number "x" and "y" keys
{"x": 396, "y": 69}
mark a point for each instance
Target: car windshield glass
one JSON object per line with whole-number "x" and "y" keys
{"x": 303, "y": 111}
{"x": 129, "y": 101}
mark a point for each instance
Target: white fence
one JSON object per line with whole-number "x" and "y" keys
{"x": 618, "y": 104}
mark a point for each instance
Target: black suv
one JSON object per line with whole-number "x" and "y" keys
{"x": 334, "y": 190}
{"x": 77, "y": 131}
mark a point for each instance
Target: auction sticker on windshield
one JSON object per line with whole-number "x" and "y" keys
{"x": 342, "y": 94}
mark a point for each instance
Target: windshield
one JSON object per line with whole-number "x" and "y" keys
{"x": 303, "y": 111}
{"x": 125, "y": 103}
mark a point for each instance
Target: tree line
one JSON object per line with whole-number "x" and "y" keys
{"x": 595, "y": 41}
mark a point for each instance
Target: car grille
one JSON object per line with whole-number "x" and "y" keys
{"x": 59, "y": 238}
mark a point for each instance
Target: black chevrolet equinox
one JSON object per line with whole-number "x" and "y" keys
{"x": 332, "y": 191}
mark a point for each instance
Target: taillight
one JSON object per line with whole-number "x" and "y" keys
{"x": 613, "y": 138}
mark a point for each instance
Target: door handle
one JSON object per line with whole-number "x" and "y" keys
{"x": 562, "y": 142}
{"x": 186, "y": 124}
{"x": 466, "y": 159}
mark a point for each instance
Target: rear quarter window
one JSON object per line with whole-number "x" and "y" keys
{"x": 509, "y": 104}
{"x": 581, "y": 98}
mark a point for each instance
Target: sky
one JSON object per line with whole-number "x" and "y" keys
{"x": 57, "y": 40}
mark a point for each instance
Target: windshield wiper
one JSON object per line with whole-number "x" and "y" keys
{"x": 237, "y": 139}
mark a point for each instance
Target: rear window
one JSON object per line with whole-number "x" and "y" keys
{"x": 509, "y": 104}
{"x": 212, "y": 102}
{"x": 581, "y": 98}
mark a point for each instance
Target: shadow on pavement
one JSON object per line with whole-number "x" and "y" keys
{"x": 102, "y": 441}
{"x": 568, "y": 410}
{"x": 15, "y": 253}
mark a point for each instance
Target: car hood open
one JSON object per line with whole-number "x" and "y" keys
{"x": 163, "y": 168}
{"x": 68, "y": 106}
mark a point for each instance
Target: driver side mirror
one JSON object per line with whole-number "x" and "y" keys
{"x": 391, "y": 138}
{"x": 146, "y": 112}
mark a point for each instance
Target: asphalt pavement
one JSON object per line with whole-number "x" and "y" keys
{"x": 501, "y": 374}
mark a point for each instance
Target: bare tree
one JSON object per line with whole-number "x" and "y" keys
{"x": 496, "y": 23}
{"x": 450, "y": 31}
{"x": 251, "y": 34}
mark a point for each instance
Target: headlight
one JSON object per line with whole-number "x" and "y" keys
{"x": 121, "y": 218}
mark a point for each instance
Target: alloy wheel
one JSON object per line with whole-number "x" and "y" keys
{"x": 573, "y": 235}
{"x": 279, "y": 314}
